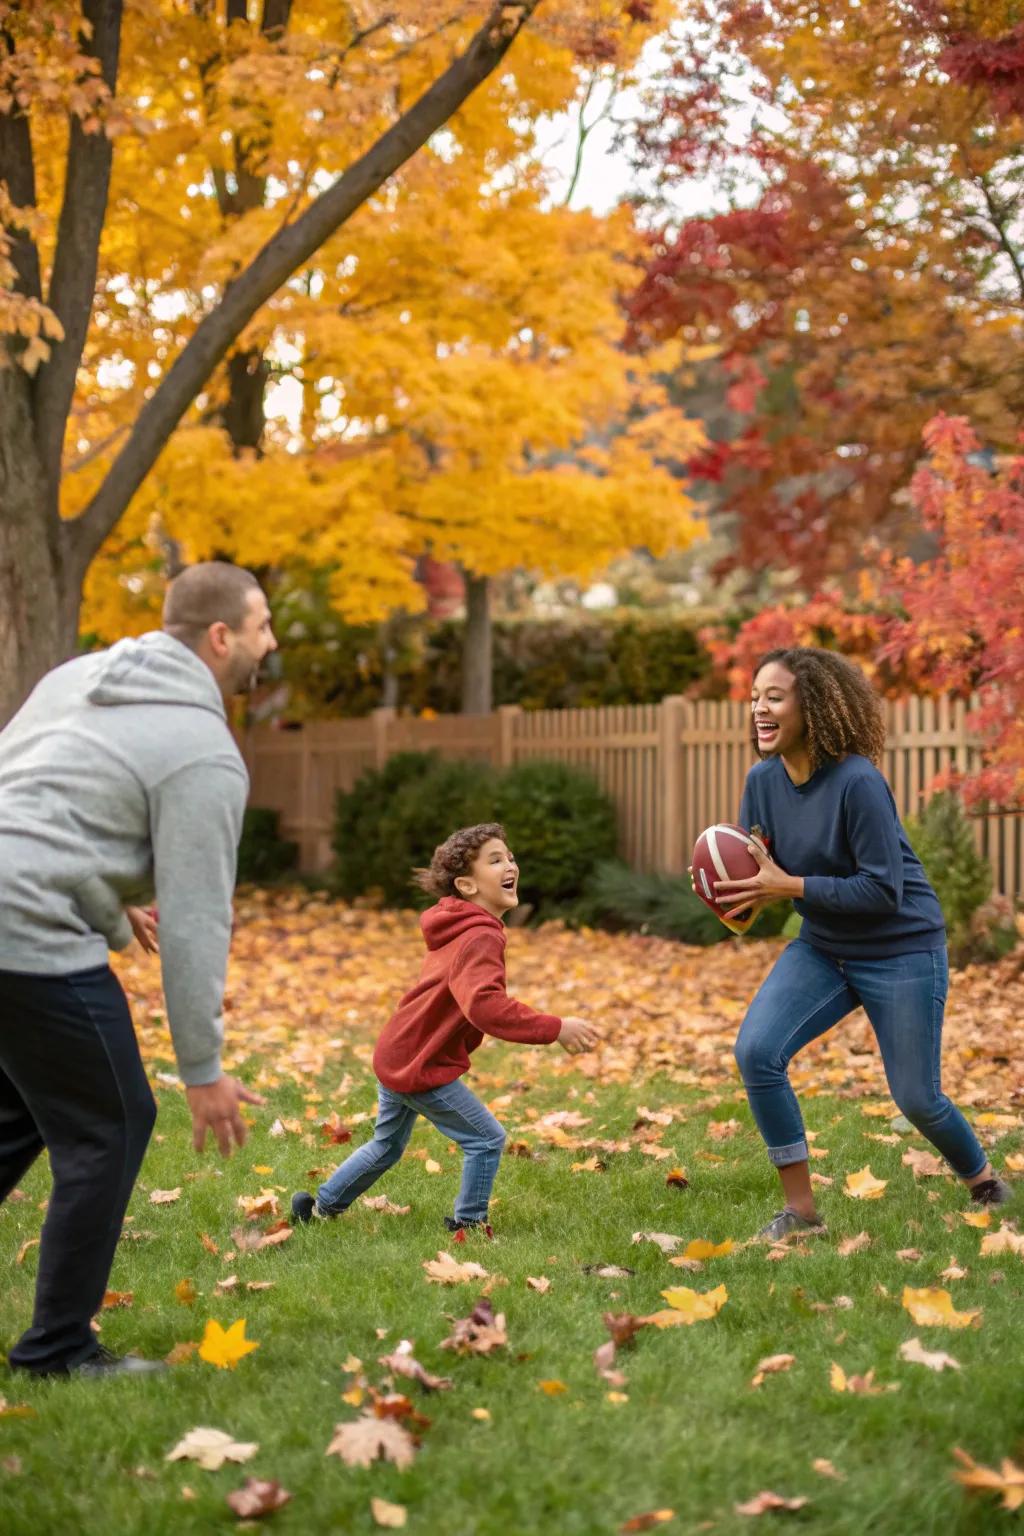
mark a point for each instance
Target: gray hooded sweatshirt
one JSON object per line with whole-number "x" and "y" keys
{"x": 119, "y": 776}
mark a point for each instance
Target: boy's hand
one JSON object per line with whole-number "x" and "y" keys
{"x": 576, "y": 1036}
{"x": 217, "y": 1107}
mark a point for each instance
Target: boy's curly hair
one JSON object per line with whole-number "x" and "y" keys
{"x": 841, "y": 710}
{"x": 454, "y": 857}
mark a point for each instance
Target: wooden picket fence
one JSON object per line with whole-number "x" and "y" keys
{"x": 671, "y": 768}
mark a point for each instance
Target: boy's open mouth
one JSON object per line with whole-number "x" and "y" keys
{"x": 509, "y": 882}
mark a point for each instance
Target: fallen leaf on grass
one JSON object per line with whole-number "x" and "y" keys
{"x": 225, "y": 1347}
{"x": 592, "y": 1165}
{"x": 181, "y": 1352}
{"x": 185, "y": 1292}
{"x": 209, "y": 1244}
{"x": 30, "y": 1242}
{"x": 663, "y": 1240}
{"x": 164, "y": 1196}
{"x": 769, "y": 1366}
{"x": 257, "y": 1496}
{"x": 924, "y": 1164}
{"x": 539, "y": 1283}
{"x": 688, "y": 1306}
{"x": 225, "y": 1286}
{"x": 648, "y": 1521}
{"x": 246, "y": 1240}
{"x": 16, "y": 1410}
{"x": 1014, "y": 1161}
{"x": 853, "y": 1245}
{"x": 608, "y": 1271}
{"x": 255, "y": 1207}
{"x": 478, "y": 1333}
{"x": 444, "y": 1270}
{"x": 859, "y": 1386}
{"x": 430, "y": 1165}
{"x": 908, "y": 1255}
{"x": 1003, "y": 1241}
{"x": 676, "y": 1178}
{"x": 933, "y": 1308}
{"x": 953, "y": 1270}
{"x": 722, "y": 1130}
{"x": 369, "y": 1439}
{"x": 211, "y": 1448}
{"x": 393, "y": 1516}
{"x": 1008, "y": 1480}
{"x": 977, "y": 1218}
{"x": 552, "y": 1388}
{"x": 382, "y": 1203}
{"x": 702, "y": 1248}
{"x": 824, "y": 1468}
{"x": 117, "y": 1299}
{"x": 762, "y": 1502}
{"x": 864, "y": 1186}
{"x": 991, "y": 1120}
{"x": 260, "y": 1285}
{"x": 402, "y": 1362}
{"x": 935, "y": 1359}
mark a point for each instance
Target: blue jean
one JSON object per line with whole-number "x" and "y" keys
{"x": 457, "y": 1114}
{"x": 904, "y": 997}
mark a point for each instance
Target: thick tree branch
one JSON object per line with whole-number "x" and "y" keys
{"x": 18, "y": 171}
{"x": 279, "y": 258}
{"x": 73, "y": 284}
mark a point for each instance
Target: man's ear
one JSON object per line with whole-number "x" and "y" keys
{"x": 465, "y": 886}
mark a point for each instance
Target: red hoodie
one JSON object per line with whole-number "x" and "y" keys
{"x": 459, "y": 998}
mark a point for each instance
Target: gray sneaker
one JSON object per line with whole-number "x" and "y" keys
{"x": 789, "y": 1223}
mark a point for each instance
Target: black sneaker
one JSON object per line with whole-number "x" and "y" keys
{"x": 789, "y": 1223}
{"x": 451, "y": 1225}
{"x": 105, "y": 1363}
{"x": 303, "y": 1207}
{"x": 991, "y": 1192}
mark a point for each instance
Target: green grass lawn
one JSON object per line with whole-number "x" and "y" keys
{"x": 693, "y": 1437}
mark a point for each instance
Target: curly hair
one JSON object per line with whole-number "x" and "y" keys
{"x": 454, "y": 857}
{"x": 842, "y": 712}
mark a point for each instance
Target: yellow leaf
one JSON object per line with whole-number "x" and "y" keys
{"x": 483, "y": 1414}
{"x": 864, "y": 1186}
{"x": 392, "y": 1515}
{"x": 1008, "y": 1481}
{"x": 553, "y": 1388}
{"x": 617, "y": 1397}
{"x": 696, "y": 1306}
{"x": 185, "y": 1292}
{"x": 354, "y": 1397}
{"x": 224, "y": 1348}
{"x": 431, "y": 1166}
{"x": 977, "y": 1218}
{"x": 931, "y": 1307}
{"x": 701, "y": 1248}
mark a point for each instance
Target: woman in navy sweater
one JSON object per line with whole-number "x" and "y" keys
{"x": 873, "y": 933}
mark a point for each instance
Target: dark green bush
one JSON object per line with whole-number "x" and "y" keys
{"x": 624, "y": 899}
{"x": 560, "y": 825}
{"x": 263, "y": 855}
{"x": 942, "y": 838}
{"x": 393, "y": 818}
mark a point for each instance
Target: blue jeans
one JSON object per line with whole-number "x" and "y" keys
{"x": 904, "y": 997}
{"x": 457, "y": 1114}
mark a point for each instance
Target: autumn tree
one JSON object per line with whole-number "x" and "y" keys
{"x": 868, "y": 267}
{"x": 144, "y": 233}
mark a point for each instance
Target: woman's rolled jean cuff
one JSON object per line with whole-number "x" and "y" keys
{"x": 796, "y": 1152}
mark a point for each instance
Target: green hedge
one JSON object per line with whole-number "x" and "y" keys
{"x": 623, "y": 900}
{"x": 559, "y": 823}
{"x": 338, "y": 669}
{"x": 979, "y": 928}
{"x": 263, "y": 855}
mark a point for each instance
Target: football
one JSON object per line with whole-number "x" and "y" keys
{"x": 720, "y": 853}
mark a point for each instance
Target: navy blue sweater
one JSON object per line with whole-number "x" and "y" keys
{"x": 865, "y": 893}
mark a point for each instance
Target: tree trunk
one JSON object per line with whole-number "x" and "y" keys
{"x": 37, "y": 628}
{"x": 477, "y": 665}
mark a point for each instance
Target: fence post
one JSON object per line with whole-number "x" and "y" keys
{"x": 672, "y": 854}
{"x": 506, "y": 718}
{"x": 382, "y": 719}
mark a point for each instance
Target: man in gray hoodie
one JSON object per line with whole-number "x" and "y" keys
{"x": 119, "y": 776}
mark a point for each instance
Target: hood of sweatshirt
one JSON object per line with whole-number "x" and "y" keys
{"x": 154, "y": 669}
{"x": 451, "y": 918}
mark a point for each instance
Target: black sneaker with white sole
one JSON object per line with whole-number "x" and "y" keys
{"x": 789, "y": 1223}
{"x": 991, "y": 1192}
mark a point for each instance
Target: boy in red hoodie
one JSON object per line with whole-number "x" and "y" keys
{"x": 425, "y": 1047}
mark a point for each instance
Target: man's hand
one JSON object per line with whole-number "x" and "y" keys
{"x": 576, "y": 1036}
{"x": 144, "y": 927}
{"x": 216, "y": 1107}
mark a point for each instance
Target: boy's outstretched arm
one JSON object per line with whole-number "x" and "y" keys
{"x": 477, "y": 983}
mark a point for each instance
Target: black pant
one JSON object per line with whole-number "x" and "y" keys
{"x": 72, "y": 1080}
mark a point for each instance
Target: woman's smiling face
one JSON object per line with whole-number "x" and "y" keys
{"x": 775, "y": 706}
